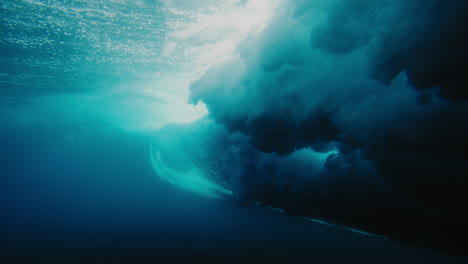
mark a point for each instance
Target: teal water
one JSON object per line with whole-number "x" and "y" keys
{"x": 232, "y": 131}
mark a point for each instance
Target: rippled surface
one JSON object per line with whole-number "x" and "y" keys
{"x": 130, "y": 62}
{"x": 71, "y": 59}
{"x": 69, "y": 46}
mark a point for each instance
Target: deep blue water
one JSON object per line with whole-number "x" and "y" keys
{"x": 233, "y": 131}
{"x": 94, "y": 198}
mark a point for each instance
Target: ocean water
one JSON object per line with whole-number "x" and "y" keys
{"x": 169, "y": 131}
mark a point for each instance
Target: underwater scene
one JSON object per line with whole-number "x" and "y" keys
{"x": 233, "y": 131}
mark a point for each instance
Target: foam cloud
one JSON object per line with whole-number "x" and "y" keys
{"x": 380, "y": 83}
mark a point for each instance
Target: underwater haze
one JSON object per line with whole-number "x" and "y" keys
{"x": 233, "y": 131}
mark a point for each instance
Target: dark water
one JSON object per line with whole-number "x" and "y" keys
{"x": 166, "y": 131}
{"x": 92, "y": 197}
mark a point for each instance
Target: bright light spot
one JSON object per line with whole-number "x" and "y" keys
{"x": 214, "y": 37}
{"x": 211, "y": 37}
